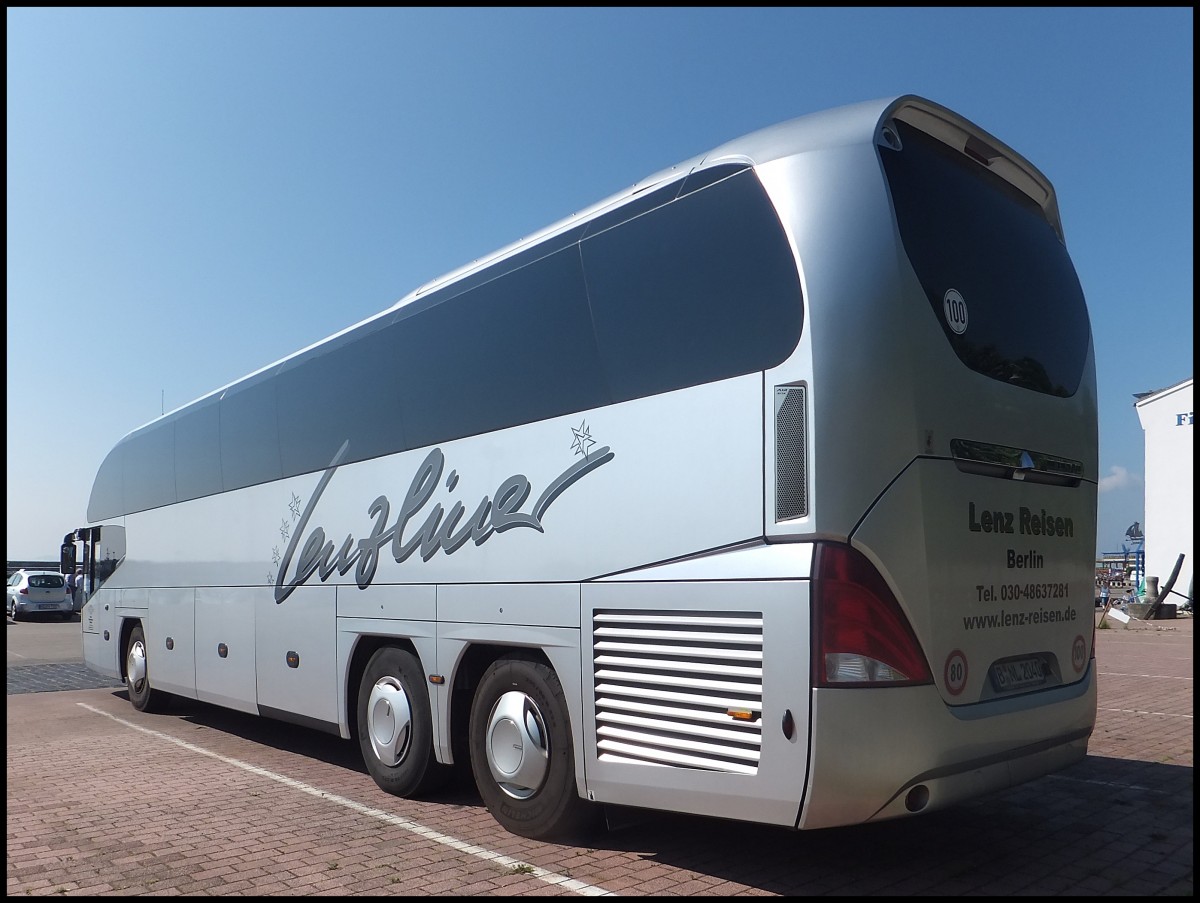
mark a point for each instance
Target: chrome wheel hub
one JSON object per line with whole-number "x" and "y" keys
{"x": 518, "y": 748}
{"x": 135, "y": 665}
{"x": 389, "y": 721}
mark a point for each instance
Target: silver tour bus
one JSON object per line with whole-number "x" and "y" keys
{"x": 763, "y": 490}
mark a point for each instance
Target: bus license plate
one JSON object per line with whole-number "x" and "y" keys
{"x": 1019, "y": 674}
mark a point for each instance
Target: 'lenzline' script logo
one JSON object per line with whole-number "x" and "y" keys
{"x": 441, "y": 530}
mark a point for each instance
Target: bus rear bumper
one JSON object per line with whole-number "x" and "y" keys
{"x": 907, "y": 753}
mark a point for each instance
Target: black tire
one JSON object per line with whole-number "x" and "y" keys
{"x": 395, "y": 726}
{"x": 137, "y": 675}
{"x": 521, "y": 752}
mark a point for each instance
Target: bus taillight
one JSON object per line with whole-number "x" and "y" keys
{"x": 861, "y": 636}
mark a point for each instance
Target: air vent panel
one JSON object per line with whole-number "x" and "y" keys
{"x": 679, "y": 689}
{"x": 791, "y": 447}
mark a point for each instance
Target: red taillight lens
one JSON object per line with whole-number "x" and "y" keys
{"x": 862, "y": 636}
{"x": 24, "y": 591}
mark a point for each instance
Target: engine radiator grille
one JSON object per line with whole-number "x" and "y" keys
{"x": 680, "y": 689}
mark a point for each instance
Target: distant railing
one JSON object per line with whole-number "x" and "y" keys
{"x": 14, "y": 566}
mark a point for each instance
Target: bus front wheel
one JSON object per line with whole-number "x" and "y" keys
{"x": 137, "y": 675}
{"x": 521, "y": 752}
{"x": 395, "y": 727}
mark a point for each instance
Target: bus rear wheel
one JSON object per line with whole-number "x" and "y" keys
{"x": 395, "y": 727}
{"x": 137, "y": 675}
{"x": 521, "y": 752}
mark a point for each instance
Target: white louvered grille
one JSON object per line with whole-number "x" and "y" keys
{"x": 666, "y": 683}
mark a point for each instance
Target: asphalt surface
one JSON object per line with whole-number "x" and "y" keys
{"x": 105, "y": 800}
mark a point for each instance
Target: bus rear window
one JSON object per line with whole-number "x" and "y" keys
{"x": 977, "y": 242}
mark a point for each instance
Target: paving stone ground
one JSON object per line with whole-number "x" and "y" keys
{"x": 104, "y": 800}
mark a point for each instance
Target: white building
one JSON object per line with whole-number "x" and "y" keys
{"x": 1166, "y": 417}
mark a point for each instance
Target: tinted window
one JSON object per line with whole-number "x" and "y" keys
{"x": 198, "y": 451}
{"x": 702, "y": 289}
{"x": 46, "y": 581}
{"x": 354, "y": 391}
{"x": 517, "y": 349}
{"x": 249, "y": 435}
{"x": 108, "y": 496}
{"x": 967, "y": 229}
{"x": 149, "y": 467}
{"x": 109, "y": 551}
{"x": 670, "y": 293}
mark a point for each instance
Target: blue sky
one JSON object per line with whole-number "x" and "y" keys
{"x": 196, "y": 193}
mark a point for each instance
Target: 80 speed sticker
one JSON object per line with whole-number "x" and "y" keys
{"x": 955, "y": 672}
{"x": 1079, "y": 654}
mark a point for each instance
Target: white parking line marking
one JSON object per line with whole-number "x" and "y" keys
{"x": 1142, "y": 712}
{"x": 1152, "y": 676}
{"x": 562, "y": 881}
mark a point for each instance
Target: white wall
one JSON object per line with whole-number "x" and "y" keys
{"x": 1166, "y": 418}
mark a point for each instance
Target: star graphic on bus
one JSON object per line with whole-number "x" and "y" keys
{"x": 294, "y": 506}
{"x": 583, "y": 439}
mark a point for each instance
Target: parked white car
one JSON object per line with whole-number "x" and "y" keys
{"x": 38, "y": 592}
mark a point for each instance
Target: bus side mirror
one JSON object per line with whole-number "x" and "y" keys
{"x": 66, "y": 558}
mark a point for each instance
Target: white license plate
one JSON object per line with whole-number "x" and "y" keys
{"x": 1019, "y": 674}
